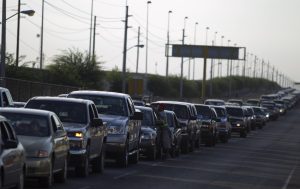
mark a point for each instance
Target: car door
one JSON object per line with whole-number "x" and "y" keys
{"x": 60, "y": 142}
{"x": 12, "y": 157}
{"x": 95, "y": 132}
{"x": 133, "y": 126}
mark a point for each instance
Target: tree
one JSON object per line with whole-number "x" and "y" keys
{"x": 73, "y": 67}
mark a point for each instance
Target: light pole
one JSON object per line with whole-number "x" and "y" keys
{"x": 194, "y": 60}
{"x": 168, "y": 41}
{"x": 206, "y": 35}
{"x": 228, "y": 60}
{"x": 29, "y": 13}
{"x": 147, "y": 30}
{"x": 42, "y": 35}
{"x": 220, "y": 63}
{"x": 181, "y": 72}
{"x": 3, "y": 43}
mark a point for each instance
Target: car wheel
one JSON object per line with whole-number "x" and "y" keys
{"x": 152, "y": 153}
{"x": 135, "y": 157}
{"x": 192, "y": 145}
{"x": 160, "y": 153}
{"x": 243, "y": 134}
{"x": 48, "y": 181}
{"x": 20, "y": 184}
{"x": 61, "y": 177}
{"x": 98, "y": 163}
{"x": 83, "y": 170}
{"x": 185, "y": 147}
{"x": 123, "y": 160}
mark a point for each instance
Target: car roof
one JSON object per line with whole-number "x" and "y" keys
{"x": 217, "y": 100}
{"x": 172, "y": 102}
{"x": 143, "y": 108}
{"x": 61, "y": 99}
{"x": 27, "y": 111}
{"x": 102, "y": 93}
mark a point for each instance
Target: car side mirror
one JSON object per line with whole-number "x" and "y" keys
{"x": 10, "y": 144}
{"x": 137, "y": 116}
{"x": 97, "y": 122}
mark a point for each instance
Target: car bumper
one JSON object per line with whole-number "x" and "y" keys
{"x": 115, "y": 145}
{"x": 38, "y": 167}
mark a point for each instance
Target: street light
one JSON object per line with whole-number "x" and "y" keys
{"x": 195, "y": 32}
{"x": 168, "y": 41}
{"x": 181, "y": 72}
{"x": 29, "y": 13}
{"x": 147, "y": 31}
{"x": 207, "y": 28}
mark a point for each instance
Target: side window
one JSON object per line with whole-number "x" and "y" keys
{"x": 4, "y": 99}
{"x": 95, "y": 110}
{"x": 91, "y": 113}
{"x": 57, "y": 123}
{"x": 213, "y": 114}
{"x": 4, "y": 133}
{"x": 130, "y": 106}
{"x": 10, "y": 131}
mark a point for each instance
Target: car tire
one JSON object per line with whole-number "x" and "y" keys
{"x": 192, "y": 146}
{"x": 243, "y": 134}
{"x": 185, "y": 147}
{"x": 136, "y": 156}
{"x": 83, "y": 170}
{"x": 152, "y": 153}
{"x": 61, "y": 177}
{"x": 224, "y": 139}
{"x": 98, "y": 163}
{"x": 160, "y": 153}
{"x": 20, "y": 184}
{"x": 47, "y": 182}
{"x": 123, "y": 160}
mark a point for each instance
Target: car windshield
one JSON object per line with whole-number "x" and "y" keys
{"x": 107, "y": 105}
{"x": 258, "y": 111}
{"x": 220, "y": 112}
{"x": 215, "y": 103}
{"x": 28, "y": 125}
{"x": 237, "y": 112}
{"x": 148, "y": 119}
{"x": 71, "y": 112}
{"x": 203, "y": 111}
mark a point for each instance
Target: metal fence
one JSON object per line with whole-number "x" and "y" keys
{"x": 22, "y": 90}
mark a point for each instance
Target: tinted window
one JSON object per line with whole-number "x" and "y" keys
{"x": 181, "y": 111}
{"x": 220, "y": 112}
{"x": 204, "y": 111}
{"x": 238, "y": 112}
{"x": 170, "y": 120}
{"x": 71, "y": 112}
{"x": 28, "y": 125}
{"x": 106, "y": 104}
{"x": 147, "y": 118}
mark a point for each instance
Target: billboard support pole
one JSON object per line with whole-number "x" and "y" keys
{"x": 204, "y": 79}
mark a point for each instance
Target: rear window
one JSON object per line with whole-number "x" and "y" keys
{"x": 71, "y": 112}
{"x": 106, "y": 104}
{"x": 28, "y": 125}
{"x": 237, "y": 112}
{"x": 181, "y": 111}
{"x": 220, "y": 112}
{"x": 203, "y": 111}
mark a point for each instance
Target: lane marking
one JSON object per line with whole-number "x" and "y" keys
{"x": 125, "y": 175}
{"x": 289, "y": 178}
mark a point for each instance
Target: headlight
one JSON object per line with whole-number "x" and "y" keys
{"x": 238, "y": 124}
{"x": 42, "y": 153}
{"x": 267, "y": 115}
{"x": 146, "y": 136}
{"x": 116, "y": 130}
{"x": 76, "y": 134}
{"x": 281, "y": 110}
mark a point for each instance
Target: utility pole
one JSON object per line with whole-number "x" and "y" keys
{"x": 138, "y": 50}
{"x": 18, "y": 33}
{"x": 244, "y": 65}
{"x": 125, "y": 53}
{"x": 3, "y": 44}
{"x": 211, "y": 75}
{"x": 94, "y": 39}
{"x": 273, "y": 70}
{"x": 42, "y": 36}
{"x": 262, "y": 69}
{"x": 181, "y": 68}
{"x": 168, "y": 42}
{"x": 189, "y": 69}
{"x": 268, "y": 69}
{"x": 254, "y": 68}
{"x": 91, "y": 29}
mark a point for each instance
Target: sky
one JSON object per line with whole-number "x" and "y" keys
{"x": 269, "y": 29}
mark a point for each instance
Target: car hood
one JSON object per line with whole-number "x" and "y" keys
{"x": 114, "y": 120}
{"x": 74, "y": 127}
{"x": 146, "y": 129}
{"x": 33, "y": 144}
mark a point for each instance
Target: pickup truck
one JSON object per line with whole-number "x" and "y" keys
{"x": 123, "y": 122}
{"x": 86, "y": 132}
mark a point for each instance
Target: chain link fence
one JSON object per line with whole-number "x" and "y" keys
{"x": 22, "y": 90}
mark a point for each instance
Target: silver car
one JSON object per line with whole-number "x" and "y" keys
{"x": 45, "y": 141}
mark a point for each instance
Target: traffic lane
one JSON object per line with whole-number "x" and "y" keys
{"x": 265, "y": 159}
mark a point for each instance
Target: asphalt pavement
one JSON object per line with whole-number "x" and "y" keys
{"x": 268, "y": 159}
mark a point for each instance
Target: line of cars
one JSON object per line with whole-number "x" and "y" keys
{"x": 79, "y": 131}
